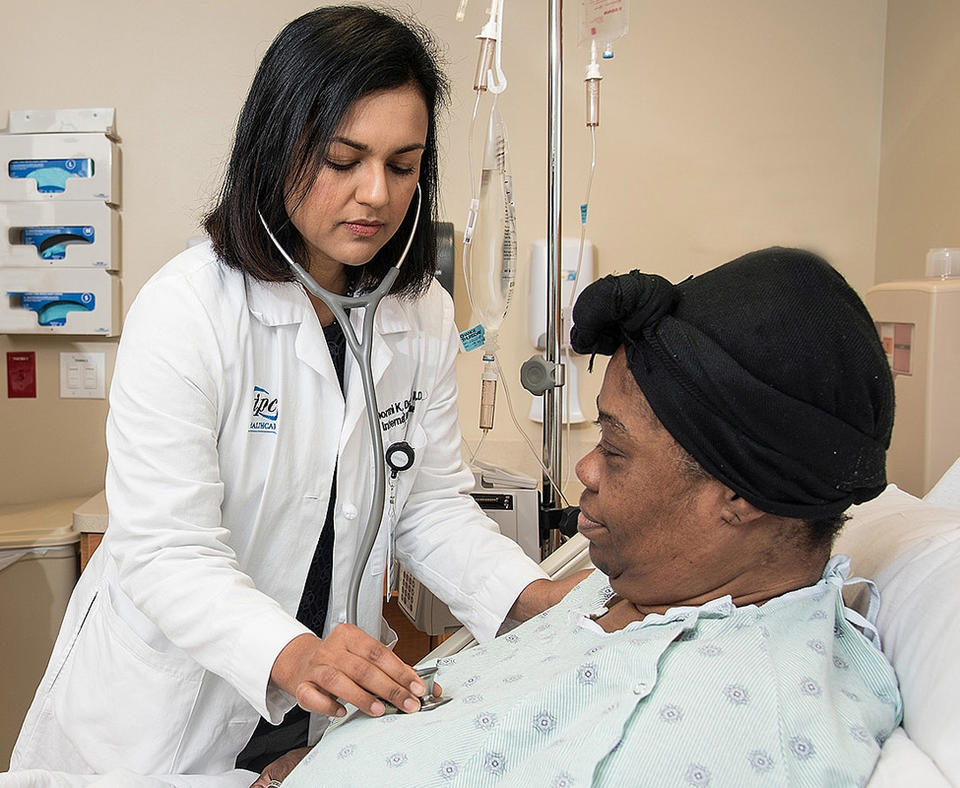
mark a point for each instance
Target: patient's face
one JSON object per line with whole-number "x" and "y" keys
{"x": 655, "y": 531}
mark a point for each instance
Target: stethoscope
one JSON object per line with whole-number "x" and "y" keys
{"x": 399, "y": 455}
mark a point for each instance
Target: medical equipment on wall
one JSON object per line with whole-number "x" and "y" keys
{"x": 60, "y": 223}
{"x": 399, "y": 455}
{"x": 576, "y": 272}
{"x": 919, "y": 325}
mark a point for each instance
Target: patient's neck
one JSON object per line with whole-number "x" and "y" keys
{"x": 759, "y": 585}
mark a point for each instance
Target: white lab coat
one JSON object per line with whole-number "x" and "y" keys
{"x": 226, "y": 421}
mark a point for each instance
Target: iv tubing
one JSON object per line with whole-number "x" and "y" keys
{"x": 475, "y": 452}
{"x": 583, "y": 214}
{"x": 473, "y": 213}
{"x": 576, "y": 276}
{"x": 516, "y": 423}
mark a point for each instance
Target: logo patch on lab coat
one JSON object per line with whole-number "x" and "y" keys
{"x": 266, "y": 411}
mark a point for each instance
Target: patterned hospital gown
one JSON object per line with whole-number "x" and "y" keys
{"x": 788, "y": 693}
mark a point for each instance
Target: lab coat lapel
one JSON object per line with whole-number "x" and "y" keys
{"x": 279, "y": 304}
{"x": 311, "y": 347}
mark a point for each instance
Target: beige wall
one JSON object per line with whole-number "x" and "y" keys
{"x": 920, "y": 157}
{"x": 726, "y": 127}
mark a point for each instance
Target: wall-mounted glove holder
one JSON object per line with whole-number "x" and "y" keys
{"x": 72, "y": 301}
{"x": 59, "y": 167}
{"x": 60, "y": 235}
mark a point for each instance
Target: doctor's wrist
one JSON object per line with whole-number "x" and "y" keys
{"x": 542, "y": 594}
{"x": 289, "y": 666}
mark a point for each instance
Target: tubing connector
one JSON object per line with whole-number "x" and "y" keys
{"x": 472, "y": 212}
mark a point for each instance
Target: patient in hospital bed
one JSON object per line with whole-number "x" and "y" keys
{"x": 741, "y": 413}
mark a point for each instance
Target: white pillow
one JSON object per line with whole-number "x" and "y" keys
{"x": 912, "y": 550}
{"x": 903, "y": 763}
{"x": 946, "y": 492}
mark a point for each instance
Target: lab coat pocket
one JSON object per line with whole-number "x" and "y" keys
{"x": 125, "y": 694}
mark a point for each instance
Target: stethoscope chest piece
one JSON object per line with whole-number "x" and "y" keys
{"x": 428, "y": 702}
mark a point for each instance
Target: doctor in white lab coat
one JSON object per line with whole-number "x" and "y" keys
{"x": 233, "y": 445}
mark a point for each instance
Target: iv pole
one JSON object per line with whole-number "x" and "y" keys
{"x": 553, "y": 397}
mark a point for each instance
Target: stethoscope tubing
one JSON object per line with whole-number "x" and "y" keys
{"x": 362, "y": 352}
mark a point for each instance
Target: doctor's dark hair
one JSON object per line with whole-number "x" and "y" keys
{"x": 315, "y": 69}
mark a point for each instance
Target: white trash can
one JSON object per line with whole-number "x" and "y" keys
{"x": 39, "y": 566}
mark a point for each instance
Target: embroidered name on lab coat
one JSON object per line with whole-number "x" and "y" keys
{"x": 399, "y": 411}
{"x": 266, "y": 411}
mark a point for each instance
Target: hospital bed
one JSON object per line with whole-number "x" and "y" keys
{"x": 911, "y": 548}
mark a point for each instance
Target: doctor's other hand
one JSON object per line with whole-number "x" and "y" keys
{"x": 277, "y": 771}
{"x": 541, "y": 594}
{"x": 348, "y": 665}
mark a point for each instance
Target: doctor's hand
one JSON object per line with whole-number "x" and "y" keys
{"x": 348, "y": 665}
{"x": 541, "y": 594}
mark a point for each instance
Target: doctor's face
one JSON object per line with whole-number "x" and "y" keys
{"x": 654, "y": 529}
{"x": 365, "y": 184}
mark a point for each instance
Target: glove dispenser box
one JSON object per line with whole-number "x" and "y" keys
{"x": 59, "y": 235}
{"x": 72, "y": 301}
{"x": 59, "y": 167}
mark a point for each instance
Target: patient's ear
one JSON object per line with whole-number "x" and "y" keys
{"x": 736, "y": 510}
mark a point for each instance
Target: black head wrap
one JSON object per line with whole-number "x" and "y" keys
{"x": 768, "y": 370}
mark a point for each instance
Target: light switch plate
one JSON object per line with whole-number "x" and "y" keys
{"x": 82, "y": 376}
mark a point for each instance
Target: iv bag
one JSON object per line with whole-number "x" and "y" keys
{"x": 493, "y": 265}
{"x": 603, "y": 21}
